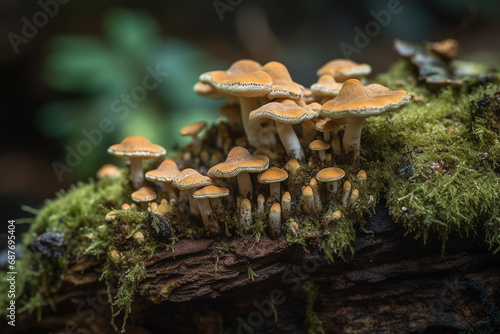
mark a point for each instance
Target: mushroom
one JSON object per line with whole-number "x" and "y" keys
{"x": 362, "y": 176}
{"x": 286, "y": 205}
{"x": 357, "y": 103}
{"x": 446, "y": 49}
{"x": 275, "y": 220}
{"x": 245, "y": 80}
{"x": 245, "y": 213}
{"x": 344, "y": 69}
{"x": 273, "y": 176}
{"x": 326, "y": 126}
{"x": 108, "y": 171}
{"x": 240, "y": 163}
{"x": 165, "y": 173}
{"x": 143, "y": 196}
{"x": 308, "y": 198}
{"x": 203, "y": 197}
{"x": 320, "y": 146}
{"x": 188, "y": 180}
{"x": 136, "y": 148}
{"x": 193, "y": 130}
{"x": 285, "y": 113}
{"x": 346, "y": 192}
{"x": 283, "y": 86}
{"x": 330, "y": 175}
{"x": 326, "y": 86}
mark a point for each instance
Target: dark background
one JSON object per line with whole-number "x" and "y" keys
{"x": 302, "y": 35}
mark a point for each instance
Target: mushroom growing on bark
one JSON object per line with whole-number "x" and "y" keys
{"x": 165, "y": 173}
{"x": 273, "y": 176}
{"x": 136, "y": 148}
{"x": 245, "y": 80}
{"x": 357, "y": 103}
{"x": 330, "y": 175}
{"x": 193, "y": 130}
{"x": 284, "y": 112}
{"x": 143, "y": 196}
{"x": 187, "y": 181}
{"x": 203, "y": 197}
{"x": 240, "y": 163}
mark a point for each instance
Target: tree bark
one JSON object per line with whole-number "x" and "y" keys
{"x": 392, "y": 284}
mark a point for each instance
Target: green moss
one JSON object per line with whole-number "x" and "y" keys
{"x": 309, "y": 292}
{"x": 433, "y": 154}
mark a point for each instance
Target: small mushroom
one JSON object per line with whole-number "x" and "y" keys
{"x": 193, "y": 130}
{"x": 330, "y": 175}
{"x": 344, "y": 69}
{"x": 187, "y": 181}
{"x": 245, "y": 213}
{"x": 136, "y": 148}
{"x": 273, "y": 176}
{"x": 204, "y": 196}
{"x": 240, "y": 163}
{"x": 275, "y": 220}
{"x": 286, "y": 205}
{"x": 143, "y": 196}
{"x": 108, "y": 171}
{"x": 165, "y": 173}
{"x": 284, "y": 112}
{"x": 319, "y": 146}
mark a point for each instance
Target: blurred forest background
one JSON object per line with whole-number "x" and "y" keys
{"x": 73, "y": 66}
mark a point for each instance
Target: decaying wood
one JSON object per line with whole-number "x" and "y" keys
{"x": 392, "y": 284}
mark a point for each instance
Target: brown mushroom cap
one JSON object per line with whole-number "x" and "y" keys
{"x": 211, "y": 192}
{"x": 272, "y": 175}
{"x": 165, "y": 172}
{"x": 446, "y": 49}
{"x": 190, "y": 178}
{"x": 343, "y": 69}
{"x": 292, "y": 166}
{"x": 283, "y": 85}
{"x": 207, "y": 90}
{"x": 286, "y": 111}
{"x": 143, "y": 194}
{"x": 327, "y": 124}
{"x": 356, "y": 100}
{"x": 136, "y": 146}
{"x": 326, "y": 86}
{"x": 330, "y": 174}
{"x": 319, "y": 145}
{"x": 239, "y": 160}
{"x": 193, "y": 128}
{"x": 108, "y": 171}
{"x": 244, "y": 78}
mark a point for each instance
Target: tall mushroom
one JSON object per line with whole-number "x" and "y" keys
{"x": 203, "y": 197}
{"x": 357, "y": 103}
{"x": 136, "y": 148}
{"x": 284, "y": 112}
{"x": 245, "y": 80}
{"x": 240, "y": 163}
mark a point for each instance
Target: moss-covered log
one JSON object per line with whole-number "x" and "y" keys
{"x": 393, "y": 284}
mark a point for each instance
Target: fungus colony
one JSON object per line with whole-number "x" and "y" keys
{"x": 277, "y": 153}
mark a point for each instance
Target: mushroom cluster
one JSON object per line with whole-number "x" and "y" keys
{"x": 276, "y": 154}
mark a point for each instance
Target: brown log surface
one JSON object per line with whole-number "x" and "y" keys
{"x": 392, "y": 284}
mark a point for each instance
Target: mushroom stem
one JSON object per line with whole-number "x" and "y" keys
{"x": 352, "y": 136}
{"x": 169, "y": 189}
{"x": 244, "y": 184}
{"x": 196, "y": 143}
{"x": 217, "y": 205}
{"x": 275, "y": 190}
{"x": 286, "y": 205}
{"x": 193, "y": 206}
{"x": 245, "y": 213}
{"x": 275, "y": 220}
{"x": 137, "y": 172}
{"x": 207, "y": 215}
{"x": 290, "y": 141}
{"x": 251, "y": 130}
